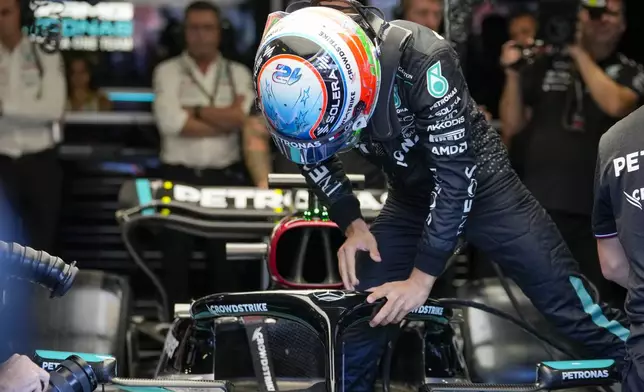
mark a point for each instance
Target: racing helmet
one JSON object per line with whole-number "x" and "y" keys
{"x": 317, "y": 78}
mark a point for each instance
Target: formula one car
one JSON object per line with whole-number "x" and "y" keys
{"x": 259, "y": 344}
{"x": 190, "y": 355}
{"x": 326, "y": 314}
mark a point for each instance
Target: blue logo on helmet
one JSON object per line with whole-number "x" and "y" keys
{"x": 292, "y": 114}
{"x": 285, "y": 75}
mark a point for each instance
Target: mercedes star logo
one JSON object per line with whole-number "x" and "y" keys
{"x": 329, "y": 296}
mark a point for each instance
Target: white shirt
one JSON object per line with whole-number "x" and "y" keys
{"x": 176, "y": 83}
{"x": 32, "y": 97}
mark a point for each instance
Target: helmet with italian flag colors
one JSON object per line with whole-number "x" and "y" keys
{"x": 317, "y": 78}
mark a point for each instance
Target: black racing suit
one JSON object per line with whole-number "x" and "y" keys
{"x": 449, "y": 174}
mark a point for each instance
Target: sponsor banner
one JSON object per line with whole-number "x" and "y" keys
{"x": 256, "y": 199}
{"x": 104, "y": 26}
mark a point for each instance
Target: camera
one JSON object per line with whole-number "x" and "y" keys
{"x": 73, "y": 374}
{"x": 558, "y": 22}
{"x": 82, "y": 372}
{"x": 558, "y": 19}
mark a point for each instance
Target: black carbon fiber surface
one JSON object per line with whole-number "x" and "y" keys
{"x": 295, "y": 350}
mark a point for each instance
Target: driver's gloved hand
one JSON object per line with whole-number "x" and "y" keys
{"x": 20, "y": 374}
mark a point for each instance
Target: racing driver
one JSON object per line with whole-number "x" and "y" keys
{"x": 330, "y": 79}
{"x": 618, "y": 223}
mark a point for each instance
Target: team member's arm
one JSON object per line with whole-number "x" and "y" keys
{"x": 171, "y": 118}
{"x": 232, "y": 118}
{"x": 612, "y": 258}
{"x": 615, "y": 98}
{"x": 19, "y": 374}
{"x": 104, "y": 104}
{"x": 47, "y": 106}
{"x": 514, "y": 111}
{"x": 444, "y": 126}
{"x": 257, "y": 151}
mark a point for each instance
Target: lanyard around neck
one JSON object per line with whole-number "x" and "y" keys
{"x": 211, "y": 97}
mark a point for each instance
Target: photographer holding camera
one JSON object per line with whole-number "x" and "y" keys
{"x": 554, "y": 110}
{"x": 20, "y": 374}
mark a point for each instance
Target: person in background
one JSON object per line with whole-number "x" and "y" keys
{"x": 32, "y": 98}
{"x": 171, "y": 38}
{"x": 483, "y": 73}
{"x": 427, "y": 13}
{"x": 559, "y": 107}
{"x": 81, "y": 95}
{"x": 257, "y": 150}
{"x": 202, "y": 102}
{"x": 522, "y": 28}
{"x": 618, "y": 225}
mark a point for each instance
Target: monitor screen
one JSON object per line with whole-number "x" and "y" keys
{"x": 125, "y": 40}
{"x": 104, "y": 26}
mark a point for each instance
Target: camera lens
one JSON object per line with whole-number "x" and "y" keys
{"x": 559, "y": 30}
{"x": 73, "y": 375}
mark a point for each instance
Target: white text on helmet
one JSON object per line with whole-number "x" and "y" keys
{"x": 335, "y": 96}
{"x": 322, "y": 62}
{"x": 343, "y": 56}
{"x": 350, "y": 105}
{"x": 301, "y": 144}
{"x": 268, "y": 52}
